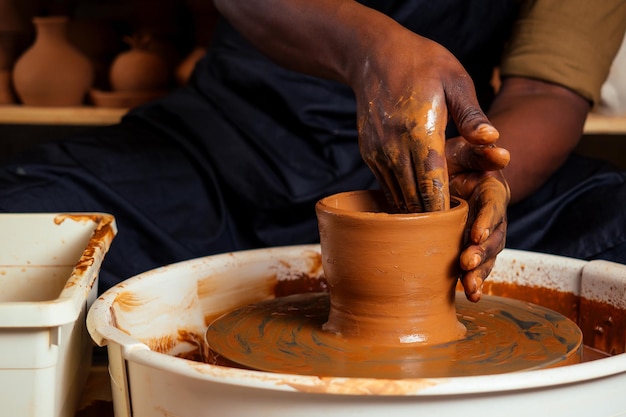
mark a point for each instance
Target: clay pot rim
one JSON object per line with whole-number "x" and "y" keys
{"x": 457, "y": 204}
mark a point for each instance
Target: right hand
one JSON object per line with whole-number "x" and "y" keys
{"x": 406, "y": 88}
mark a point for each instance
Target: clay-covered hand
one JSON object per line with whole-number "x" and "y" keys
{"x": 476, "y": 176}
{"x": 408, "y": 88}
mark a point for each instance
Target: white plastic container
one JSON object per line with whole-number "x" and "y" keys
{"x": 148, "y": 320}
{"x": 49, "y": 265}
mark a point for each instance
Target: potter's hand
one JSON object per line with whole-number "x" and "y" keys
{"x": 406, "y": 86}
{"x": 405, "y": 92}
{"x": 476, "y": 176}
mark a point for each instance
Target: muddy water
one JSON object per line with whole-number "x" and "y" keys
{"x": 599, "y": 338}
{"x": 285, "y": 335}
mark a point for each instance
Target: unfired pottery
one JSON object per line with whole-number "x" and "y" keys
{"x": 52, "y": 72}
{"x": 391, "y": 277}
{"x": 139, "y": 68}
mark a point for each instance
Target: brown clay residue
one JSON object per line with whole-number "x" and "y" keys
{"x": 295, "y": 280}
{"x": 128, "y": 300}
{"x": 97, "y": 246}
{"x": 565, "y": 303}
{"x": 161, "y": 344}
{"x": 300, "y": 284}
{"x": 285, "y": 335}
{"x": 603, "y": 325}
{"x": 200, "y": 351}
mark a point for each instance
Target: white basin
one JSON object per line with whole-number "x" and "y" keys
{"x": 150, "y": 322}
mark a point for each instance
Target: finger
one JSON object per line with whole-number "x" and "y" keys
{"x": 470, "y": 120}
{"x": 428, "y": 153}
{"x": 475, "y": 255}
{"x": 478, "y": 157}
{"x": 491, "y": 200}
{"x": 473, "y": 280}
{"x": 433, "y": 181}
{"x": 478, "y": 261}
{"x": 490, "y": 158}
{"x": 408, "y": 181}
{"x": 390, "y": 187}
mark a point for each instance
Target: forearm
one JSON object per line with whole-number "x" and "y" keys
{"x": 540, "y": 124}
{"x": 326, "y": 38}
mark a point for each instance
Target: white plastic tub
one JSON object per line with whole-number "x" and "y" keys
{"x": 147, "y": 321}
{"x": 49, "y": 265}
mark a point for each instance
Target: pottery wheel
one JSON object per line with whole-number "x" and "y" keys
{"x": 285, "y": 335}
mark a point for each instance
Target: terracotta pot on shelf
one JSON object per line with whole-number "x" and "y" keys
{"x": 391, "y": 277}
{"x": 52, "y": 72}
{"x": 137, "y": 76}
{"x": 139, "y": 68}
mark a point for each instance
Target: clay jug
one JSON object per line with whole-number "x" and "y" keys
{"x": 52, "y": 72}
{"x": 139, "y": 68}
{"x": 391, "y": 277}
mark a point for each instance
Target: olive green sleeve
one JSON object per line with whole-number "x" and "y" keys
{"x": 567, "y": 42}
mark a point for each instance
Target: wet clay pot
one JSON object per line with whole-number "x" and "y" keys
{"x": 52, "y": 72}
{"x": 391, "y": 277}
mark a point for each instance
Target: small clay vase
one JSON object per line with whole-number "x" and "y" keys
{"x": 391, "y": 277}
{"x": 52, "y": 72}
{"x": 139, "y": 68}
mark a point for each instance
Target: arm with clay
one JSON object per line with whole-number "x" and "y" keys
{"x": 401, "y": 116}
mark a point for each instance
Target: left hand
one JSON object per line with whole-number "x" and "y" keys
{"x": 476, "y": 176}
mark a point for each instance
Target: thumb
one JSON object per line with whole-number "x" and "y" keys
{"x": 468, "y": 117}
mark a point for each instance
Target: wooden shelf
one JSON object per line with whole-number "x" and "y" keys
{"x": 68, "y": 116}
{"x": 598, "y": 124}
{"x": 98, "y": 116}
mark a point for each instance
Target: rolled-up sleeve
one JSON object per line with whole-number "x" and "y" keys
{"x": 567, "y": 42}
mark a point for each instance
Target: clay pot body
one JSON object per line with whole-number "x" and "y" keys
{"x": 391, "y": 277}
{"x": 52, "y": 72}
{"x": 139, "y": 69}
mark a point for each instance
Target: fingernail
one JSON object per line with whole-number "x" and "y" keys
{"x": 475, "y": 261}
{"x": 484, "y": 236}
{"x": 487, "y": 131}
{"x": 476, "y": 291}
